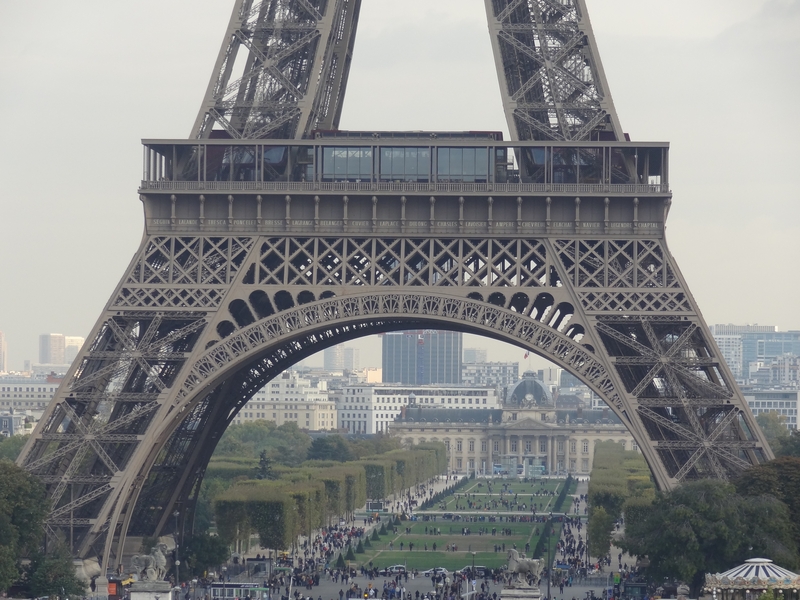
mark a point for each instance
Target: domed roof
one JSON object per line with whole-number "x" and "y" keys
{"x": 528, "y": 392}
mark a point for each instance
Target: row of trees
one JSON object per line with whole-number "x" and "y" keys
{"x": 301, "y": 500}
{"x": 620, "y": 479}
{"x": 23, "y": 507}
{"x": 262, "y": 450}
{"x": 706, "y": 526}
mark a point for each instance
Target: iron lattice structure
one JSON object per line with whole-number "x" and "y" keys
{"x": 264, "y": 245}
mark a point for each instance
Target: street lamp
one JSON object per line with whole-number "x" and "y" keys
{"x": 224, "y": 570}
{"x": 549, "y": 562}
{"x": 176, "y": 514}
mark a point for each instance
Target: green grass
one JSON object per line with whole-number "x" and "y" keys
{"x": 483, "y": 545}
{"x": 483, "y": 501}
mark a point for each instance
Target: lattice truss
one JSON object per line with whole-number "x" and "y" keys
{"x": 272, "y": 344}
{"x": 605, "y": 271}
{"x": 688, "y": 408}
{"x": 183, "y": 272}
{"x": 554, "y": 82}
{"x": 401, "y": 261}
{"x": 293, "y": 74}
{"x": 96, "y": 422}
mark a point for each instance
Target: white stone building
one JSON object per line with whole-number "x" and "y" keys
{"x": 527, "y": 435}
{"x": 370, "y": 408}
{"x": 784, "y": 402}
{"x": 291, "y": 398}
{"x": 27, "y": 393}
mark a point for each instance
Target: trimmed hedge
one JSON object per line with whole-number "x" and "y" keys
{"x": 307, "y": 498}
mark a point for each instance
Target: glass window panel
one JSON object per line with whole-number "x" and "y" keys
{"x": 386, "y": 163}
{"x": 366, "y": 164}
{"x": 398, "y": 162}
{"x": 423, "y": 163}
{"x": 340, "y": 161}
{"x": 354, "y": 162}
{"x": 443, "y": 162}
{"x": 456, "y": 161}
{"x": 411, "y": 162}
{"x": 590, "y": 165}
{"x": 468, "y": 161}
{"x": 327, "y": 162}
{"x": 482, "y": 161}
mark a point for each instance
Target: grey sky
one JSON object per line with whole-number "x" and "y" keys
{"x": 83, "y": 82}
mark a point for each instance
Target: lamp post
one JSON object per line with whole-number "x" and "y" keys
{"x": 549, "y": 562}
{"x": 473, "y": 576}
{"x": 224, "y": 571}
{"x": 176, "y": 514}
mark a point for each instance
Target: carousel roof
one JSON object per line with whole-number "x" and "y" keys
{"x": 754, "y": 573}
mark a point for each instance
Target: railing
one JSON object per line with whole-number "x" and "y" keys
{"x": 403, "y": 186}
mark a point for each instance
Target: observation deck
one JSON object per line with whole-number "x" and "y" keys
{"x": 406, "y": 183}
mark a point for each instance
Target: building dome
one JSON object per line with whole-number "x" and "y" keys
{"x": 528, "y": 392}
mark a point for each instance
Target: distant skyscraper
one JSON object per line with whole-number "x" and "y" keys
{"x": 474, "y": 355}
{"x": 72, "y": 345}
{"x": 742, "y": 345}
{"x": 3, "y": 353}
{"x": 422, "y": 357}
{"x": 51, "y": 349}
{"x": 351, "y": 359}
{"x": 333, "y": 358}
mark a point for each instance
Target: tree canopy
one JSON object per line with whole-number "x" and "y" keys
{"x": 774, "y": 427}
{"x": 23, "y": 507}
{"x": 706, "y": 527}
{"x": 330, "y": 447}
{"x": 285, "y": 444}
{"x": 779, "y": 478}
{"x": 10, "y": 447}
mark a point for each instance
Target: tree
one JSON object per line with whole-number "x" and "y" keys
{"x": 774, "y": 427}
{"x": 203, "y": 551}
{"x": 23, "y": 506}
{"x": 706, "y": 527}
{"x": 265, "y": 469}
{"x": 291, "y": 444}
{"x": 330, "y": 447}
{"x": 779, "y": 478}
{"x": 53, "y": 574}
{"x": 788, "y": 446}
{"x": 600, "y": 525}
{"x": 10, "y": 447}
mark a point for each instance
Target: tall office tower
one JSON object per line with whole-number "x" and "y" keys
{"x": 51, "y": 349}
{"x": 3, "y": 353}
{"x": 352, "y": 359}
{"x": 742, "y": 345}
{"x": 72, "y": 345}
{"x": 474, "y": 355}
{"x": 333, "y": 358}
{"x": 422, "y": 357}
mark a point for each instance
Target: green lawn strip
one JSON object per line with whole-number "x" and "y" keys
{"x": 427, "y": 560}
{"x": 523, "y": 490}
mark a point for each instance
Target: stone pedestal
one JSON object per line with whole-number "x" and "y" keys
{"x": 151, "y": 590}
{"x": 519, "y": 593}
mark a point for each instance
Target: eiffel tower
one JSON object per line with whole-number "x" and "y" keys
{"x": 270, "y": 235}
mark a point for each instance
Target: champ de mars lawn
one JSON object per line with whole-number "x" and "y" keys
{"x": 482, "y": 512}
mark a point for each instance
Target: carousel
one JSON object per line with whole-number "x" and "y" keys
{"x": 752, "y": 579}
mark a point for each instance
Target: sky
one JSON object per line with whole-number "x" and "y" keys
{"x": 81, "y": 83}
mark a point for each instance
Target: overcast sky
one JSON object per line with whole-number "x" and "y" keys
{"x": 82, "y": 82}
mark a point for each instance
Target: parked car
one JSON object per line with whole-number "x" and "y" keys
{"x": 447, "y": 516}
{"x": 480, "y": 570}
{"x": 393, "y": 570}
{"x": 436, "y": 571}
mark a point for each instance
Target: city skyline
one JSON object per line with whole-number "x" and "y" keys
{"x": 671, "y": 80}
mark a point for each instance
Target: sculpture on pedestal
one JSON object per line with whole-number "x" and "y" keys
{"x": 520, "y": 567}
{"x": 150, "y": 567}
